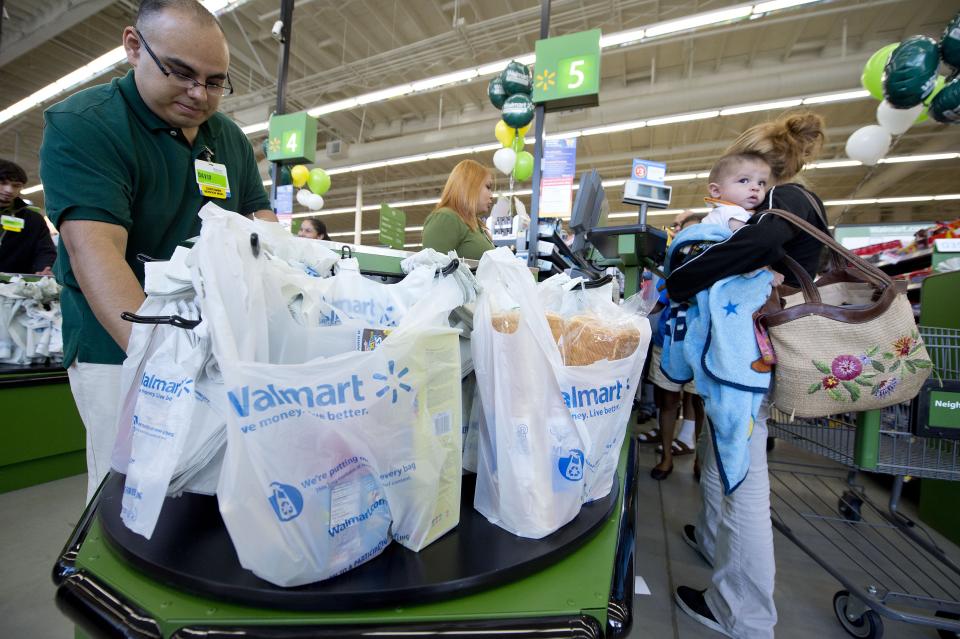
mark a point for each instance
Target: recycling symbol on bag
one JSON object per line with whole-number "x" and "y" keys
{"x": 391, "y": 381}
{"x": 286, "y": 500}
{"x": 571, "y": 466}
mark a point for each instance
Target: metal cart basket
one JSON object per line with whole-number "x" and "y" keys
{"x": 888, "y": 564}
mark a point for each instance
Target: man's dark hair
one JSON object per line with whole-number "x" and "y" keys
{"x": 150, "y": 8}
{"x": 10, "y": 172}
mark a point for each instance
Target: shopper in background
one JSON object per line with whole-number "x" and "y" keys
{"x": 668, "y": 394}
{"x": 313, "y": 228}
{"x": 456, "y": 225}
{"x": 120, "y": 179}
{"x": 28, "y": 249}
{"x": 733, "y": 532}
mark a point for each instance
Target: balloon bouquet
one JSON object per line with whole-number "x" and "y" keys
{"x": 904, "y": 76}
{"x": 317, "y": 181}
{"x": 510, "y": 92}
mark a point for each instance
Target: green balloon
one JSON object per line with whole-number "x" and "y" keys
{"x": 950, "y": 43}
{"x": 523, "y": 168}
{"x": 937, "y": 87}
{"x": 319, "y": 181}
{"x": 945, "y": 108}
{"x": 517, "y": 111}
{"x": 911, "y": 73}
{"x": 516, "y": 78}
{"x": 517, "y": 144}
{"x": 872, "y": 76}
{"x": 496, "y": 92}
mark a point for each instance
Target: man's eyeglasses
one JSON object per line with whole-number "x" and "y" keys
{"x": 185, "y": 81}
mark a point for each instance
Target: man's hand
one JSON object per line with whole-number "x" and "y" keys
{"x": 263, "y": 214}
{"x": 46, "y": 272}
{"x": 777, "y": 278}
{"x": 97, "y": 251}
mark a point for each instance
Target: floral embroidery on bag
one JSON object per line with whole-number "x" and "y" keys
{"x": 853, "y": 373}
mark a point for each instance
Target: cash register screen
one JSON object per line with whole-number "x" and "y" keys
{"x": 589, "y": 203}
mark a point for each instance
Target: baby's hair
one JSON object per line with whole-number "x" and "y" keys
{"x": 730, "y": 162}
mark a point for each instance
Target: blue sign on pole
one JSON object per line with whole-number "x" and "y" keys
{"x": 648, "y": 171}
{"x": 558, "y": 168}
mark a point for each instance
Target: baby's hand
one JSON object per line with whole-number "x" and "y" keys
{"x": 777, "y": 277}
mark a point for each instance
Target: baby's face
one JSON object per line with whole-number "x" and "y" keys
{"x": 744, "y": 185}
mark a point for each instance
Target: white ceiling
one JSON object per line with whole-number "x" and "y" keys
{"x": 343, "y": 48}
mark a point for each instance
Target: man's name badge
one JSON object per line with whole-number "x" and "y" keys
{"x": 212, "y": 179}
{"x": 11, "y": 223}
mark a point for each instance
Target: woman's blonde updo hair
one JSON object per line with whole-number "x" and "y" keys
{"x": 786, "y": 143}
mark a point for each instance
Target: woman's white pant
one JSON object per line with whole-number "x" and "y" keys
{"x": 735, "y": 533}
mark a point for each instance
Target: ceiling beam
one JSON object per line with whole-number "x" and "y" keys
{"x": 48, "y": 25}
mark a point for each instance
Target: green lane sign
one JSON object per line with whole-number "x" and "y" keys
{"x": 566, "y": 74}
{"x": 393, "y": 227}
{"x": 292, "y": 138}
{"x": 944, "y": 409}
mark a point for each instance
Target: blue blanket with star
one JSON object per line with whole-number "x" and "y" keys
{"x": 711, "y": 340}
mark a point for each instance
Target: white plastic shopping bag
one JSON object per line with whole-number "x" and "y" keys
{"x": 557, "y": 392}
{"x": 338, "y": 447}
{"x": 530, "y": 471}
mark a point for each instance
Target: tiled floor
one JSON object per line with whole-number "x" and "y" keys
{"x": 37, "y": 521}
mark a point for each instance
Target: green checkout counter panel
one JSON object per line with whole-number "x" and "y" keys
{"x": 43, "y": 436}
{"x": 577, "y": 582}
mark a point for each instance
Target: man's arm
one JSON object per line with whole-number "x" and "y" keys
{"x": 97, "y": 252}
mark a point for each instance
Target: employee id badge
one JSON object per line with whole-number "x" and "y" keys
{"x": 212, "y": 179}
{"x": 11, "y": 223}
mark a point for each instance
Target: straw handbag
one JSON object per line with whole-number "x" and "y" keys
{"x": 845, "y": 343}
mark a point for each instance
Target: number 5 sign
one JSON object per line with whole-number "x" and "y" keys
{"x": 292, "y": 138}
{"x": 567, "y": 71}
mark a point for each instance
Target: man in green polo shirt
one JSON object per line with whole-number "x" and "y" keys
{"x": 119, "y": 165}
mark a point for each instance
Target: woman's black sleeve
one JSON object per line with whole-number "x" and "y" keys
{"x": 751, "y": 247}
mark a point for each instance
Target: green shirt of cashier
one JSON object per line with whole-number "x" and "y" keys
{"x": 455, "y": 224}
{"x": 108, "y": 157}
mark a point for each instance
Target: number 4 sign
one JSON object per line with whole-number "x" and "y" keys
{"x": 567, "y": 71}
{"x": 292, "y": 138}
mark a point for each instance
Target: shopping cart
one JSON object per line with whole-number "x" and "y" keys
{"x": 888, "y": 564}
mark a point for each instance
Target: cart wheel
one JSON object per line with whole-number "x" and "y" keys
{"x": 867, "y": 626}
{"x": 947, "y": 634}
{"x": 849, "y": 506}
{"x": 771, "y": 443}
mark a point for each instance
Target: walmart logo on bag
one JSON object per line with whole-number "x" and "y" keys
{"x": 571, "y": 466}
{"x": 286, "y": 500}
{"x": 245, "y": 400}
{"x": 169, "y": 387}
{"x": 578, "y": 397}
{"x": 392, "y": 381}
{"x": 367, "y": 309}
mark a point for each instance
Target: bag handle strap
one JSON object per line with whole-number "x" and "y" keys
{"x": 836, "y": 262}
{"x": 872, "y": 273}
{"x": 810, "y": 292}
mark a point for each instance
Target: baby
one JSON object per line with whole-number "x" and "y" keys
{"x": 738, "y": 183}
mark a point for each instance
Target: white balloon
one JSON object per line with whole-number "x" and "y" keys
{"x": 504, "y": 159}
{"x": 314, "y": 202}
{"x": 868, "y": 144}
{"x": 897, "y": 121}
{"x": 303, "y": 196}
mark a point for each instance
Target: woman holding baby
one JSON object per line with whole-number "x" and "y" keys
{"x": 759, "y": 171}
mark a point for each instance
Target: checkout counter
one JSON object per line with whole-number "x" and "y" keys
{"x": 478, "y": 580}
